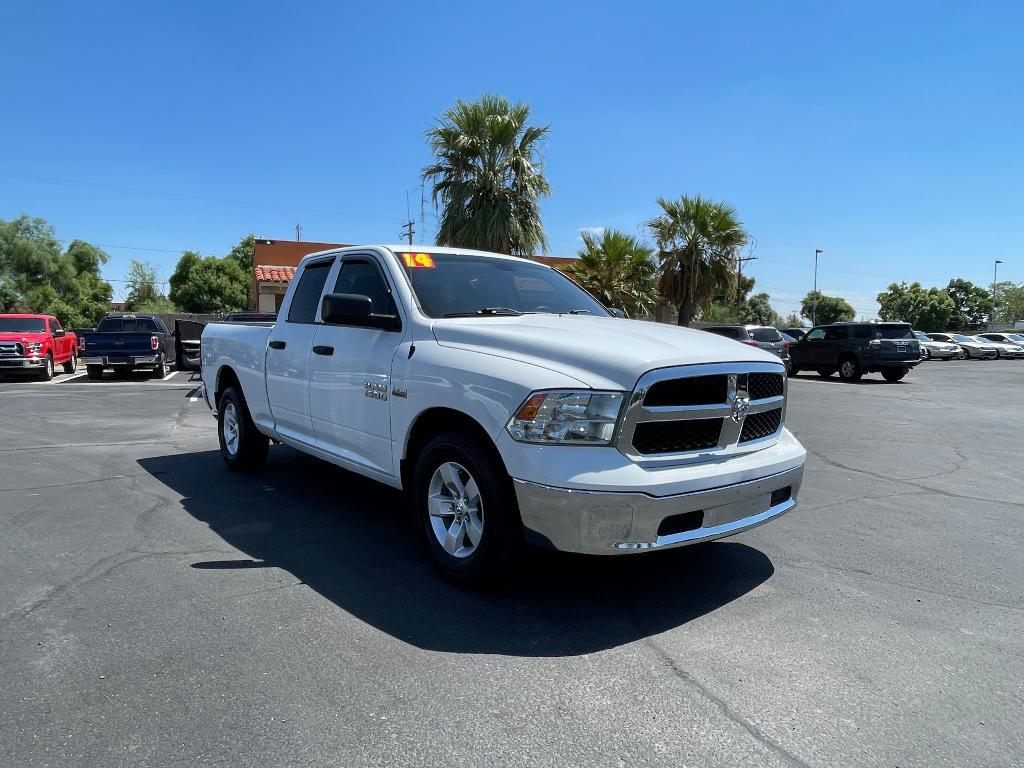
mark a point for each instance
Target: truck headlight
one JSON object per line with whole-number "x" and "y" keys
{"x": 567, "y": 418}
{"x": 34, "y": 347}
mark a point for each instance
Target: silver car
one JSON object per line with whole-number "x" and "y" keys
{"x": 1009, "y": 351}
{"x": 937, "y": 350}
{"x": 973, "y": 349}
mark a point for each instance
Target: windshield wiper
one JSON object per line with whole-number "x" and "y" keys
{"x": 579, "y": 312}
{"x": 487, "y": 311}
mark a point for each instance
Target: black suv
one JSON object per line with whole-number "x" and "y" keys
{"x": 854, "y": 349}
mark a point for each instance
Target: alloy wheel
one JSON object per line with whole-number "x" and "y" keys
{"x": 456, "y": 509}
{"x": 230, "y": 428}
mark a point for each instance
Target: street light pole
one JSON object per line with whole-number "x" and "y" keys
{"x": 992, "y": 314}
{"x": 814, "y": 296}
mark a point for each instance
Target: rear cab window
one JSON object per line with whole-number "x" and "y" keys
{"x": 306, "y": 300}
{"x": 765, "y": 334}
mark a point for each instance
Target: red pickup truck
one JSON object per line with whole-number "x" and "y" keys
{"x": 36, "y": 344}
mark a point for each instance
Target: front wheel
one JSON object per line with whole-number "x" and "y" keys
{"x": 465, "y": 509}
{"x": 47, "y": 373}
{"x": 71, "y": 365}
{"x": 926, "y": 354}
{"x": 95, "y": 372}
{"x": 892, "y": 375}
{"x": 242, "y": 446}
{"x": 793, "y": 371}
{"x": 849, "y": 370}
{"x": 967, "y": 354}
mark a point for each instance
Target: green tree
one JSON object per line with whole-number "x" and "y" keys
{"x": 1009, "y": 302}
{"x": 757, "y": 310}
{"x": 793, "y": 320}
{"x": 618, "y": 270}
{"x": 85, "y": 302}
{"x": 831, "y": 309}
{"x": 245, "y": 253}
{"x": 488, "y": 176}
{"x": 698, "y": 241}
{"x": 971, "y": 305}
{"x": 927, "y": 309}
{"x": 142, "y": 284}
{"x": 209, "y": 284}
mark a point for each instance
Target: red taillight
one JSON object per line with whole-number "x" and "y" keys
{"x": 154, "y": 343}
{"x": 785, "y": 345}
{"x": 81, "y": 344}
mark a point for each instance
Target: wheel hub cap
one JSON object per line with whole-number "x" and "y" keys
{"x": 455, "y": 509}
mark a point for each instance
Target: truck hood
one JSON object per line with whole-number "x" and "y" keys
{"x": 601, "y": 352}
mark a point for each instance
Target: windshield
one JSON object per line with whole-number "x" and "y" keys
{"x": 968, "y": 339}
{"x": 921, "y": 336}
{"x": 1016, "y": 338}
{"x": 765, "y": 334}
{"x": 22, "y": 325}
{"x": 895, "y": 331}
{"x": 459, "y": 285}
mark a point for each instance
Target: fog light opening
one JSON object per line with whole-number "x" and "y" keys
{"x": 687, "y": 521}
{"x": 781, "y": 495}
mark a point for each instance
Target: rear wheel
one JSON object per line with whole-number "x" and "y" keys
{"x": 47, "y": 373}
{"x": 72, "y": 365}
{"x": 95, "y": 372}
{"x": 160, "y": 369}
{"x": 793, "y": 370}
{"x": 926, "y": 354}
{"x": 849, "y": 369}
{"x": 967, "y": 354}
{"x": 892, "y": 375}
{"x": 242, "y": 446}
{"x": 465, "y": 509}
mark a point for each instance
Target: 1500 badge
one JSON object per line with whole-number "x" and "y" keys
{"x": 376, "y": 391}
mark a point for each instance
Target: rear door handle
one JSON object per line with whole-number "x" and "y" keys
{"x": 322, "y": 350}
{"x": 277, "y": 345}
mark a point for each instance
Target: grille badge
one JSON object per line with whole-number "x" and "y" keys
{"x": 739, "y": 398}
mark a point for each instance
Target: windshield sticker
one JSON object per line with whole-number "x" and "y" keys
{"x": 418, "y": 260}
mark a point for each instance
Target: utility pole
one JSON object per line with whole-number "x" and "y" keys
{"x": 740, "y": 261}
{"x": 298, "y": 232}
{"x": 407, "y": 228}
{"x": 992, "y": 314}
{"x": 814, "y": 299}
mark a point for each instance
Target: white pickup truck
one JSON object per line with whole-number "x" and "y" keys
{"x": 510, "y": 404}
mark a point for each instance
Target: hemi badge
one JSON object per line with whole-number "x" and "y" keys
{"x": 398, "y": 392}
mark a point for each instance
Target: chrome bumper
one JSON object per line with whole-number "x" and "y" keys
{"x": 121, "y": 362}
{"x": 604, "y": 523}
{"x": 21, "y": 363}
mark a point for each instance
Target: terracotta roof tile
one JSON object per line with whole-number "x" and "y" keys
{"x": 269, "y": 273}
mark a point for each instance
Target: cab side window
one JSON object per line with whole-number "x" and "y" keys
{"x": 865, "y": 332}
{"x": 306, "y": 301}
{"x": 836, "y": 332}
{"x": 362, "y": 278}
{"x": 816, "y": 335}
{"x": 54, "y": 325}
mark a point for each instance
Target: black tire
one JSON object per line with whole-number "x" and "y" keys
{"x": 500, "y": 544}
{"x": 967, "y": 354}
{"x": 793, "y": 370}
{"x": 47, "y": 373}
{"x": 926, "y": 354}
{"x": 849, "y": 369}
{"x": 892, "y": 375}
{"x": 160, "y": 369}
{"x": 825, "y": 372}
{"x": 72, "y": 365}
{"x": 95, "y": 372}
{"x": 250, "y": 451}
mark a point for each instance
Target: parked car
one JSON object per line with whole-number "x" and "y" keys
{"x": 796, "y": 333}
{"x": 1005, "y": 346}
{"x": 854, "y": 349}
{"x": 972, "y": 348}
{"x": 936, "y": 350}
{"x": 761, "y": 336}
{"x": 126, "y": 343}
{"x": 36, "y": 344}
{"x": 510, "y": 405}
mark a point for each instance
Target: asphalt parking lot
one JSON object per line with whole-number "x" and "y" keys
{"x": 157, "y": 610}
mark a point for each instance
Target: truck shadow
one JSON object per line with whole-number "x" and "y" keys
{"x": 350, "y": 539}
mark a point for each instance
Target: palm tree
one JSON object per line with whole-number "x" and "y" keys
{"x": 619, "y": 270}
{"x": 698, "y": 241}
{"x": 488, "y": 177}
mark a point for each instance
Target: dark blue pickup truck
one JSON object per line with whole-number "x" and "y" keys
{"x": 126, "y": 343}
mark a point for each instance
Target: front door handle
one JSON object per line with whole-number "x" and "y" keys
{"x": 322, "y": 350}
{"x": 277, "y": 345}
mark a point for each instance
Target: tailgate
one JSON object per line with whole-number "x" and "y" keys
{"x": 896, "y": 342}
{"x": 119, "y": 344}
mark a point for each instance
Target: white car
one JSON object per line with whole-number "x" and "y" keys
{"x": 972, "y": 348}
{"x": 1005, "y": 344}
{"x": 510, "y": 404}
{"x": 937, "y": 350}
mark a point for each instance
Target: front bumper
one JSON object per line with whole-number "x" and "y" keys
{"x": 14, "y": 364}
{"x": 611, "y": 523}
{"x": 111, "y": 361}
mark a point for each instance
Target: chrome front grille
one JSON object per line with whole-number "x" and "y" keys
{"x": 700, "y": 411}
{"x": 11, "y": 349}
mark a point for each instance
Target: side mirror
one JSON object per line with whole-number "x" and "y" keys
{"x": 58, "y": 333}
{"x": 355, "y": 310}
{"x": 616, "y": 312}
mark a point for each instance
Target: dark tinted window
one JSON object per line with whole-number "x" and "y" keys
{"x": 765, "y": 334}
{"x": 129, "y": 325}
{"x": 305, "y": 306}
{"x": 816, "y": 335}
{"x": 864, "y": 332}
{"x": 364, "y": 279}
{"x": 895, "y": 331}
{"x": 22, "y": 325}
{"x": 740, "y": 334}
{"x": 836, "y": 332}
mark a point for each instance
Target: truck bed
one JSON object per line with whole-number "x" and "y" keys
{"x": 242, "y": 346}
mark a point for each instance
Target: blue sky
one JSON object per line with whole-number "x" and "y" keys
{"x": 890, "y": 135}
